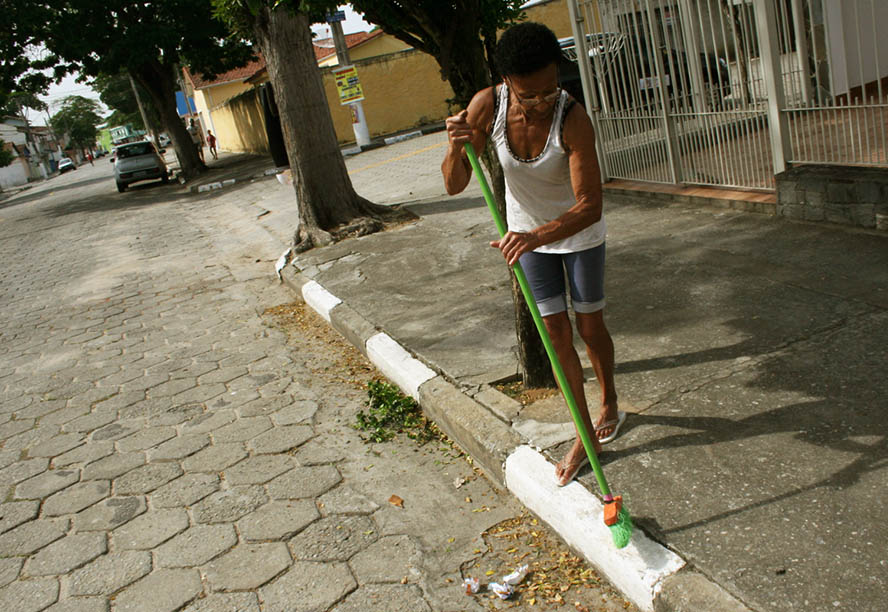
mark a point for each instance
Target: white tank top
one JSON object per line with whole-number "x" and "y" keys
{"x": 538, "y": 190}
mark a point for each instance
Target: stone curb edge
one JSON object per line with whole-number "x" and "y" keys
{"x": 229, "y": 182}
{"x": 653, "y": 577}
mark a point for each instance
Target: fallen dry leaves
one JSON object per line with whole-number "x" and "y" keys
{"x": 396, "y": 501}
{"x": 348, "y": 366}
{"x": 516, "y": 391}
{"x": 558, "y": 580}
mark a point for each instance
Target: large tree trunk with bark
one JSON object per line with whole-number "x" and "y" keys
{"x": 159, "y": 80}
{"x": 329, "y": 207}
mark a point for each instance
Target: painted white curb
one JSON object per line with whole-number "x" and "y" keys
{"x": 320, "y": 299}
{"x": 576, "y": 514}
{"x": 397, "y": 364}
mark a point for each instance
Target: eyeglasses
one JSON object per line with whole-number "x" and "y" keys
{"x": 535, "y": 100}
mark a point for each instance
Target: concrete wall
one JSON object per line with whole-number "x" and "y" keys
{"x": 554, "y": 14}
{"x": 849, "y": 195}
{"x": 381, "y": 45}
{"x": 239, "y": 124}
{"x": 850, "y": 24}
{"x": 14, "y": 174}
{"x": 401, "y": 91}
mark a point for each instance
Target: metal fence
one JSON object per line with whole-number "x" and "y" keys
{"x": 727, "y": 92}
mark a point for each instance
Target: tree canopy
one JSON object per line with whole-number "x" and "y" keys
{"x": 77, "y": 119}
{"x": 19, "y": 100}
{"x": 116, "y": 92}
{"x": 23, "y": 59}
{"x": 115, "y": 35}
{"x": 148, "y": 40}
{"x": 459, "y": 34}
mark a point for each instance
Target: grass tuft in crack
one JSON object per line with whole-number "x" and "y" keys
{"x": 390, "y": 412}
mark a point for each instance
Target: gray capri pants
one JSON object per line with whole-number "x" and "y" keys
{"x": 585, "y": 272}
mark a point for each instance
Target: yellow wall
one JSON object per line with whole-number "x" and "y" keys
{"x": 218, "y": 94}
{"x": 240, "y": 126}
{"x": 401, "y": 91}
{"x": 381, "y": 45}
{"x": 554, "y": 14}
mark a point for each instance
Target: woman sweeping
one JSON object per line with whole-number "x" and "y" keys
{"x": 546, "y": 145}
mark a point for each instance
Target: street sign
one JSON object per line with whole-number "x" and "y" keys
{"x": 348, "y": 84}
{"x": 335, "y": 16}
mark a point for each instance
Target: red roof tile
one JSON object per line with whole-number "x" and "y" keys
{"x": 237, "y": 74}
{"x": 323, "y": 47}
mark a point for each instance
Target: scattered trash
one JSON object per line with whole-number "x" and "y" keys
{"x": 471, "y": 585}
{"x": 396, "y": 501}
{"x": 503, "y": 591}
{"x": 516, "y": 577}
{"x": 459, "y": 482}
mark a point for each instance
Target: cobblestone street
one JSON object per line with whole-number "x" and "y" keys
{"x": 169, "y": 443}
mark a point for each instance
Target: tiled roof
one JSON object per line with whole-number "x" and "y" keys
{"x": 237, "y": 74}
{"x": 324, "y": 48}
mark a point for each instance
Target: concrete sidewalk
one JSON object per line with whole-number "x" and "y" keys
{"x": 751, "y": 354}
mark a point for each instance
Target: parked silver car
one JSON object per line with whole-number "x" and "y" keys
{"x": 138, "y": 161}
{"x": 66, "y": 164}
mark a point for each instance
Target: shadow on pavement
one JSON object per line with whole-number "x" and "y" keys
{"x": 140, "y": 194}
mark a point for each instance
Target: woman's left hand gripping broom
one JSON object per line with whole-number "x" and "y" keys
{"x": 616, "y": 517}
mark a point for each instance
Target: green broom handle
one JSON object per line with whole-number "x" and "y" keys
{"x": 541, "y": 328}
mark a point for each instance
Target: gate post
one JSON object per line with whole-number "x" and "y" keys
{"x": 589, "y": 91}
{"x": 798, "y": 22}
{"x": 692, "y": 52}
{"x": 672, "y": 150}
{"x": 768, "y": 37}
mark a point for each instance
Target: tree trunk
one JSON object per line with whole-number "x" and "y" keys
{"x": 159, "y": 81}
{"x": 329, "y": 208}
{"x": 536, "y": 371}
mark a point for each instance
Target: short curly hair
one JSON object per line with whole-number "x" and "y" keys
{"x": 526, "y": 48}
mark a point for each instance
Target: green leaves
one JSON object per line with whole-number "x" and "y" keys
{"x": 77, "y": 119}
{"x": 21, "y": 59}
{"x": 391, "y": 412}
{"x": 5, "y": 156}
{"x": 113, "y": 35}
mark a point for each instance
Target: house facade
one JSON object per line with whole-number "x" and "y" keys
{"x": 34, "y": 148}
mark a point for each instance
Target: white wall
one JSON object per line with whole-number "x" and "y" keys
{"x": 14, "y": 174}
{"x": 856, "y": 42}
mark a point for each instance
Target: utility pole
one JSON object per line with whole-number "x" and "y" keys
{"x": 359, "y": 123}
{"x": 142, "y": 111}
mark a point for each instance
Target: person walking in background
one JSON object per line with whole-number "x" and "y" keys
{"x": 211, "y": 141}
{"x": 196, "y": 139}
{"x": 545, "y": 143}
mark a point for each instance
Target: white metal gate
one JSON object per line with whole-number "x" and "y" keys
{"x": 727, "y": 92}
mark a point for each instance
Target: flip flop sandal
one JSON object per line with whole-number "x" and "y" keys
{"x": 573, "y": 474}
{"x": 615, "y": 423}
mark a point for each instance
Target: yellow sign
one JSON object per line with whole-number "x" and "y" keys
{"x": 348, "y": 84}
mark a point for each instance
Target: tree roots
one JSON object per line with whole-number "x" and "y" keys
{"x": 309, "y": 238}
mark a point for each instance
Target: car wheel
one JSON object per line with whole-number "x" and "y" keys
{"x": 121, "y": 187}
{"x": 165, "y": 178}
